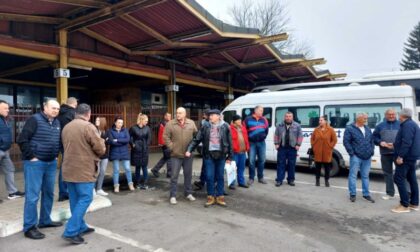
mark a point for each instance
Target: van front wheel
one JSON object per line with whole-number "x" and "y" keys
{"x": 335, "y": 169}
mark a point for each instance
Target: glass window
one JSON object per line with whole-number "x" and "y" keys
{"x": 342, "y": 115}
{"x": 228, "y": 115}
{"x": 28, "y": 96}
{"x": 6, "y": 94}
{"x": 306, "y": 116}
{"x": 268, "y": 114}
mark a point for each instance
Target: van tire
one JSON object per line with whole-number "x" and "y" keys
{"x": 335, "y": 168}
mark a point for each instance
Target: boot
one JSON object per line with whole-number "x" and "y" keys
{"x": 221, "y": 201}
{"x": 317, "y": 183}
{"x": 327, "y": 183}
{"x": 210, "y": 201}
{"x": 116, "y": 188}
{"x": 131, "y": 186}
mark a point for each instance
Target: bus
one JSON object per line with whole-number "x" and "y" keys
{"x": 341, "y": 104}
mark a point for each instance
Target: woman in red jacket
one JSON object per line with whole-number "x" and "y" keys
{"x": 240, "y": 144}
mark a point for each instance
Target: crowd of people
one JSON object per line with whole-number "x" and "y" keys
{"x": 65, "y": 138}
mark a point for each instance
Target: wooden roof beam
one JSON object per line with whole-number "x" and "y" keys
{"x": 279, "y": 76}
{"x": 83, "y": 3}
{"x": 337, "y": 76}
{"x": 313, "y": 62}
{"x": 25, "y": 69}
{"x": 31, "y": 18}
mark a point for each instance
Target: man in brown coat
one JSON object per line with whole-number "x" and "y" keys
{"x": 83, "y": 147}
{"x": 177, "y": 136}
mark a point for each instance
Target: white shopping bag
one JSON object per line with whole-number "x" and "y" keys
{"x": 230, "y": 172}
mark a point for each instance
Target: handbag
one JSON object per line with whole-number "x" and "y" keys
{"x": 310, "y": 152}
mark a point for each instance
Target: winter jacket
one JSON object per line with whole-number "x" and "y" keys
{"x": 177, "y": 137}
{"x": 5, "y": 134}
{"x": 295, "y": 135}
{"x": 235, "y": 140}
{"x": 203, "y": 136}
{"x": 104, "y": 136}
{"x": 257, "y": 128}
{"x": 162, "y": 125}
{"x": 118, "y": 141}
{"x": 323, "y": 142}
{"x": 357, "y": 144}
{"x": 83, "y": 146}
{"x": 66, "y": 115}
{"x": 407, "y": 141}
{"x": 386, "y": 131}
{"x": 140, "y": 139}
{"x": 40, "y": 138}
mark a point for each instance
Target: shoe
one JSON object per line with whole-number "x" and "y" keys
{"x": 172, "y": 200}
{"x": 190, "y": 197}
{"x": 116, "y": 188}
{"x": 225, "y": 193}
{"x": 94, "y": 193}
{"x": 291, "y": 183}
{"x": 142, "y": 187}
{"x": 210, "y": 201}
{"x": 352, "y": 198}
{"x": 155, "y": 173}
{"x": 327, "y": 183}
{"x": 368, "y": 198}
{"x": 262, "y": 181}
{"x": 74, "y": 239}
{"x": 221, "y": 201}
{"x": 16, "y": 195}
{"x": 400, "y": 209}
{"x": 278, "y": 184}
{"x": 87, "y": 231}
{"x": 199, "y": 185}
{"x": 250, "y": 182}
{"x": 1, "y": 201}
{"x": 63, "y": 198}
{"x": 232, "y": 187}
{"x": 244, "y": 186}
{"x": 317, "y": 183}
{"x": 131, "y": 186}
{"x": 102, "y": 193}
{"x": 34, "y": 234}
{"x": 413, "y": 207}
{"x": 51, "y": 225}
{"x": 387, "y": 197}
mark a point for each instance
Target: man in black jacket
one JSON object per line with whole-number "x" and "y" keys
{"x": 217, "y": 150}
{"x": 39, "y": 143}
{"x": 66, "y": 115}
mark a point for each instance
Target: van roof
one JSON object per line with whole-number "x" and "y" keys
{"x": 322, "y": 94}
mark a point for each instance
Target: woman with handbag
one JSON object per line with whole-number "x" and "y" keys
{"x": 323, "y": 140}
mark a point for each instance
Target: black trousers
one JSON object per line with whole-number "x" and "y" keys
{"x": 327, "y": 168}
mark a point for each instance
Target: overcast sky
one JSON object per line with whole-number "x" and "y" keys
{"x": 356, "y": 37}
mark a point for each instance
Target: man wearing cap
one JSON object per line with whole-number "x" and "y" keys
{"x": 406, "y": 153}
{"x": 217, "y": 150}
{"x": 240, "y": 144}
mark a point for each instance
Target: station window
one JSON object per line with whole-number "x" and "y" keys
{"x": 342, "y": 115}
{"x": 6, "y": 94}
{"x": 307, "y": 116}
{"x": 268, "y": 113}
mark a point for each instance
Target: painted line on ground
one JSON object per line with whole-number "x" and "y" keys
{"x": 126, "y": 240}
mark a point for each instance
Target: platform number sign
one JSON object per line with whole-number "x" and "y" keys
{"x": 61, "y": 73}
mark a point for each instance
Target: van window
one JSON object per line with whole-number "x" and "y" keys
{"x": 307, "y": 116}
{"x": 342, "y": 115}
{"x": 268, "y": 114}
{"x": 228, "y": 115}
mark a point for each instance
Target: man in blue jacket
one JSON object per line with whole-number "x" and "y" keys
{"x": 358, "y": 142}
{"x": 407, "y": 152}
{"x": 384, "y": 136}
{"x": 5, "y": 162}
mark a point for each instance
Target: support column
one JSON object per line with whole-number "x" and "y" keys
{"x": 62, "y": 73}
{"x": 171, "y": 91}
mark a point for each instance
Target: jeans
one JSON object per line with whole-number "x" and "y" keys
{"x": 403, "y": 173}
{"x": 103, "y": 164}
{"x": 39, "y": 178}
{"x": 240, "y": 159}
{"x": 8, "y": 170}
{"x": 116, "y": 174}
{"x": 387, "y": 162}
{"x": 62, "y": 186}
{"x": 203, "y": 172}
{"x": 145, "y": 174}
{"x": 215, "y": 169}
{"x": 357, "y": 164}
{"x": 165, "y": 159}
{"x": 327, "y": 169}
{"x": 257, "y": 149}
{"x": 80, "y": 197}
{"x": 286, "y": 161}
{"x": 186, "y": 164}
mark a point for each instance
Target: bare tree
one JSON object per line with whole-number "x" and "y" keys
{"x": 270, "y": 17}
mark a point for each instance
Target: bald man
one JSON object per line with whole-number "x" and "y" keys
{"x": 40, "y": 145}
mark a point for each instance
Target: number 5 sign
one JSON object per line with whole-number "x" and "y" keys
{"x": 61, "y": 72}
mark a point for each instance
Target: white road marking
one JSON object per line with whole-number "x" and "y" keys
{"x": 127, "y": 240}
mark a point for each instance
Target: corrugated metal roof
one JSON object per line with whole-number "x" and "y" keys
{"x": 33, "y": 7}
